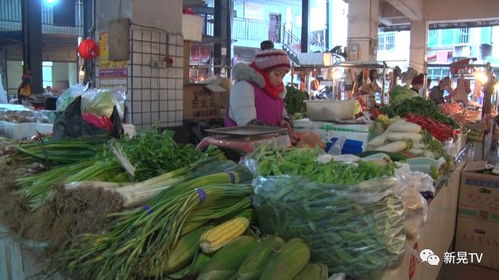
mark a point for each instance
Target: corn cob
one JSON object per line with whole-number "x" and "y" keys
{"x": 287, "y": 262}
{"x": 254, "y": 263}
{"x": 215, "y": 238}
{"x": 313, "y": 271}
{"x": 225, "y": 262}
{"x": 183, "y": 252}
{"x": 199, "y": 262}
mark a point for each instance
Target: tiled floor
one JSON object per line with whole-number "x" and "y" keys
{"x": 467, "y": 272}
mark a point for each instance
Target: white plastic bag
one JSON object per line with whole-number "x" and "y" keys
{"x": 100, "y": 102}
{"x": 69, "y": 96}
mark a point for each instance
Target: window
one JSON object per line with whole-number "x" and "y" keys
{"x": 47, "y": 73}
{"x": 386, "y": 41}
{"x": 432, "y": 38}
{"x": 462, "y": 35}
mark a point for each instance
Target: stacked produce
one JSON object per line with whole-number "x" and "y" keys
{"x": 400, "y": 93}
{"x": 150, "y": 153}
{"x": 399, "y": 136}
{"x": 230, "y": 251}
{"x": 419, "y": 106}
{"x": 350, "y": 215}
{"x": 404, "y": 140}
{"x": 450, "y": 109}
{"x": 141, "y": 240}
{"x": 439, "y": 130}
{"x": 294, "y": 101}
{"x": 61, "y": 151}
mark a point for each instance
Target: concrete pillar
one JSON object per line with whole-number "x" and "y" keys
{"x": 32, "y": 48}
{"x": 362, "y": 29}
{"x": 418, "y": 45}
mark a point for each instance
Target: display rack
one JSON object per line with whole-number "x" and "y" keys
{"x": 344, "y": 65}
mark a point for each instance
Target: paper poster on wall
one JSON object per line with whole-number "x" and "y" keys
{"x": 107, "y": 68}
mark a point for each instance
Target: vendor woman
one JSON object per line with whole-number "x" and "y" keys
{"x": 257, "y": 97}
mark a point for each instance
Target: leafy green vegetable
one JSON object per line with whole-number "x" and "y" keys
{"x": 358, "y": 230}
{"x": 302, "y": 162}
{"x": 294, "y": 101}
{"x": 420, "y": 106}
{"x": 400, "y": 93}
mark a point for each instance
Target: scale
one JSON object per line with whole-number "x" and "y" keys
{"x": 239, "y": 140}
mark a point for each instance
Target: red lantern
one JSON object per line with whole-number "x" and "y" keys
{"x": 88, "y": 49}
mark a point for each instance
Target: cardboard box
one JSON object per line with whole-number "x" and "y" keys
{"x": 200, "y": 103}
{"x": 479, "y": 236}
{"x": 479, "y": 193}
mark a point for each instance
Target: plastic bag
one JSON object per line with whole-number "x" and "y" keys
{"x": 357, "y": 229}
{"x": 100, "y": 102}
{"x": 70, "y": 124}
{"x": 416, "y": 209}
{"x": 69, "y": 97}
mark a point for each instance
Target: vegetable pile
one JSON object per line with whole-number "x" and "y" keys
{"x": 419, "y": 106}
{"x": 303, "y": 162}
{"x": 439, "y": 130}
{"x": 400, "y": 93}
{"x": 151, "y": 153}
{"x": 294, "y": 101}
{"x": 142, "y": 239}
{"x": 357, "y": 230}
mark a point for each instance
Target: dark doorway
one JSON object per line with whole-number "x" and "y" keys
{"x": 275, "y": 28}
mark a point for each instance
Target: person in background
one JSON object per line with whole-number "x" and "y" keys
{"x": 437, "y": 92}
{"x": 257, "y": 97}
{"x": 24, "y": 89}
{"x": 266, "y": 45}
{"x": 417, "y": 82}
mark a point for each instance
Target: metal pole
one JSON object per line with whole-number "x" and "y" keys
{"x": 304, "y": 25}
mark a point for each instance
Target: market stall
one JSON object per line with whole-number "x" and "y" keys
{"x": 148, "y": 207}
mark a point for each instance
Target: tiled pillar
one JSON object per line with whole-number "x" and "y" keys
{"x": 154, "y": 92}
{"x": 362, "y": 29}
{"x": 419, "y": 42}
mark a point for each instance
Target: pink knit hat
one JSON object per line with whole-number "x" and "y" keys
{"x": 271, "y": 59}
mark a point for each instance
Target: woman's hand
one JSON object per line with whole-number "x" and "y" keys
{"x": 287, "y": 125}
{"x": 294, "y": 137}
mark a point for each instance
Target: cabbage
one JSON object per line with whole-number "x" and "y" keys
{"x": 400, "y": 93}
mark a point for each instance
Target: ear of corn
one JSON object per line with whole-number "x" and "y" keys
{"x": 182, "y": 253}
{"x": 227, "y": 260}
{"x": 199, "y": 262}
{"x": 315, "y": 271}
{"x": 287, "y": 262}
{"x": 217, "y": 237}
{"x": 256, "y": 260}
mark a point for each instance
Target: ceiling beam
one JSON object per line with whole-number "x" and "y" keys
{"x": 413, "y": 9}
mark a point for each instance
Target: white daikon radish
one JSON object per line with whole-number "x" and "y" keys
{"x": 416, "y": 151}
{"x": 429, "y": 154}
{"x": 418, "y": 145}
{"x": 398, "y": 136}
{"x": 393, "y": 147}
{"x": 379, "y": 140}
{"x": 405, "y": 127}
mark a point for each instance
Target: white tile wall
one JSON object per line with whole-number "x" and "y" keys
{"x": 157, "y": 94}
